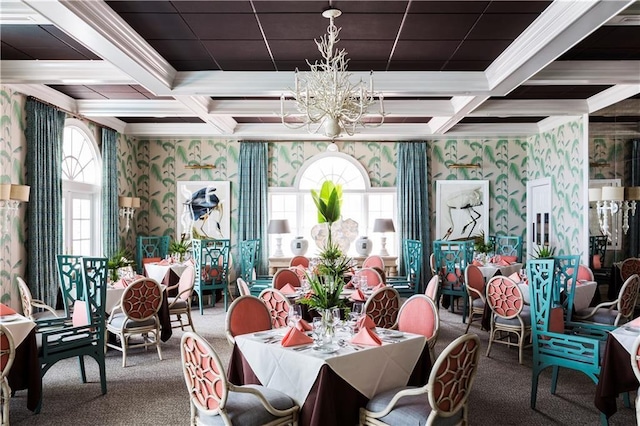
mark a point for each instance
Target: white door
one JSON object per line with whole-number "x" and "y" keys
{"x": 538, "y": 213}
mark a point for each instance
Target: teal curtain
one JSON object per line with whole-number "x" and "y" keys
{"x": 110, "y": 224}
{"x": 413, "y": 200}
{"x": 44, "y": 132}
{"x": 252, "y": 203}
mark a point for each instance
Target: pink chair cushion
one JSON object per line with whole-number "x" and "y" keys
{"x": 597, "y": 262}
{"x": 417, "y": 317}
{"x": 4, "y": 343}
{"x": 249, "y": 316}
{"x": 285, "y": 276}
{"x": 475, "y": 280}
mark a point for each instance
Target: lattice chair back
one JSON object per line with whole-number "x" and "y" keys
{"x": 249, "y": 259}
{"x": 566, "y": 274}
{"x": 629, "y": 267}
{"x": 151, "y": 247}
{"x": 278, "y": 306}
{"x": 412, "y": 256}
{"x": 141, "y": 299}
{"x": 597, "y": 250}
{"x": 452, "y": 377}
{"x": 627, "y": 299}
{"x": 94, "y": 276}
{"x": 211, "y": 259}
{"x": 7, "y": 355}
{"x": 373, "y": 261}
{"x": 285, "y": 276}
{"x": 299, "y": 261}
{"x": 451, "y": 260}
{"x": 70, "y": 274}
{"x": 507, "y": 245}
{"x": 382, "y": 306}
{"x": 504, "y": 297}
{"x": 243, "y": 287}
{"x": 247, "y": 314}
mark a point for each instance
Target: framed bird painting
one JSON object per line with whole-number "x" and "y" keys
{"x": 203, "y": 209}
{"x": 462, "y": 209}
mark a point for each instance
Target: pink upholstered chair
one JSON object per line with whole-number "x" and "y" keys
{"x": 615, "y": 312}
{"x": 243, "y": 287}
{"x": 383, "y": 306}
{"x": 181, "y": 304}
{"x": 584, "y": 273}
{"x": 419, "y": 315}
{"x": 214, "y": 400}
{"x": 373, "y": 261}
{"x": 510, "y": 316}
{"x": 137, "y": 313}
{"x": 373, "y": 277}
{"x": 299, "y": 261}
{"x": 278, "y": 306}
{"x": 443, "y": 400}
{"x": 476, "y": 291}
{"x": 7, "y": 355}
{"x": 629, "y": 267}
{"x": 31, "y": 305}
{"x": 432, "y": 288}
{"x": 285, "y": 276}
{"x": 635, "y": 365}
{"x": 247, "y": 314}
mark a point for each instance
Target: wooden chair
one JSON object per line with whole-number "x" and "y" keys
{"x": 629, "y": 267}
{"x": 212, "y": 269}
{"x": 243, "y": 287}
{"x": 624, "y": 305}
{"x": 443, "y": 400}
{"x": 82, "y": 334}
{"x": 70, "y": 275}
{"x": 510, "y": 316}
{"x": 29, "y": 304}
{"x": 373, "y": 261}
{"x": 299, "y": 261}
{"x": 151, "y": 247}
{"x": 285, "y": 276}
{"x": 247, "y": 314}
{"x": 432, "y": 288}
{"x": 181, "y": 303}
{"x": 214, "y": 400}
{"x": 419, "y": 315}
{"x": 7, "y": 355}
{"x": 372, "y": 276}
{"x": 476, "y": 290}
{"x": 383, "y": 306}
{"x": 278, "y": 306}
{"x": 137, "y": 314}
{"x": 249, "y": 259}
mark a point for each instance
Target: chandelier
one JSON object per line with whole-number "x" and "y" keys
{"x": 613, "y": 200}
{"x": 325, "y": 97}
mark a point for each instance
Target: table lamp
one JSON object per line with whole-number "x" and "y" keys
{"x": 383, "y": 226}
{"x": 278, "y": 227}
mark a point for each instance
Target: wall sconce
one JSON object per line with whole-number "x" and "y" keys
{"x": 10, "y": 198}
{"x": 128, "y": 206}
{"x": 611, "y": 200}
{"x": 383, "y": 226}
{"x": 278, "y": 227}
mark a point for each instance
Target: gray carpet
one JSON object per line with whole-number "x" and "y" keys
{"x": 151, "y": 392}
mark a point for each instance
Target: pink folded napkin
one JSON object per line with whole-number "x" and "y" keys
{"x": 5, "y": 310}
{"x": 516, "y": 277}
{"x": 349, "y": 285}
{"x": 303, "y": 325}
{"x": 378, "y": 287}
{"x": 366, "y": 337}
{"x": 477, "y": 263}
{"x": 634, "y": 323}
{"x": 121, "y": 283}
{"x": 365, "y": 321}
{"x": 510, "y": 259}
{"x": 164, "y": 262}
{"x": 358, "y": 296}
{"x": 288, "y": 289}
{"x": 295, "y": 337}
{"x": 502, "y": 262}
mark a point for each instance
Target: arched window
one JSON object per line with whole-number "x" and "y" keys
{"x": 361, "y": 202}
{"x": 81, "y": 186}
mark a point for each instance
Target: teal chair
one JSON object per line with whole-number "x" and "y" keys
{"x": 558, "y": 342}
{"x": 249, "y": 262}
{"x": 60, "y": 339}
{"x": 70, "y": 274}
{"x": 451, "y": 259}
{"x": 211, "y": 259}
{"x": 507, "y": 245}
{"x": 150, "y": 247}
{"x": 412, "y": 255}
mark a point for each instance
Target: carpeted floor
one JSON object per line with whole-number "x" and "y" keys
{"x": 152, "y": 392}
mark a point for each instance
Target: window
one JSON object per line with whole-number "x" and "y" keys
{"x": 81, "y": 186}
{"x": 360, "y": 202}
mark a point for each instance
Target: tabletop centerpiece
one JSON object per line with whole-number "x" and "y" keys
{"x": 179, "y": 249}
{"x": 120, "y": 259}
{"x": 482, "y": 248}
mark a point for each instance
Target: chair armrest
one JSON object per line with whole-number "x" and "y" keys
{"x": 40, "y": 304}
{"x": 588, "y": 329}
{"x": 395, "y": 399}
{"x": 270, "y": 408}
{"x": 594, "y": 310}
{"x": 578, "y": 348}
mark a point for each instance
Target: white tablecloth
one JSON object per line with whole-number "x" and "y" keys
{"x": 18, "y": 326}
{"x": 490, "y": 269}
{"x": 159, "y": 271}
{"x": 627, "y": 334}
{"x": 370, "y": 370}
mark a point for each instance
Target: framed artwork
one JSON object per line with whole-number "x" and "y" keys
{"x": 462, "y": 209}
{"x": 203, "y": 209}
{"x": 614, "y": 221}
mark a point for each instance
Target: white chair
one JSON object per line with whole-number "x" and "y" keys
{"x": 474, "y": 281}
{"x": 181, "y": 303}
{"x": 29, "y": 304}
{"x": 624, "y": 305}
{"x": 278, "y": 306}
{"x": 7, "y": 355}
{"x": 419, "y": 315}
{"x": 243, "y": 287}
{"x": 443, "y": 400}
{"x": 216, "y": 401}
{"x": 383, "y": 306}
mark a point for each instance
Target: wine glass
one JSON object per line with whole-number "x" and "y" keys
{"x": 335, "y": 312}
{"x": 295, "y": 315}
{"x": 357, "y": 310}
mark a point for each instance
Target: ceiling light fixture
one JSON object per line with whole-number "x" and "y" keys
{"x": 325, "y": 97}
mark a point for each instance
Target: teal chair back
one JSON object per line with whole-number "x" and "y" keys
{"x": 249, "y": 259}
{"x": 211, "y": 259}
{"x": 70, "y": 274}
{"x": 451, "y": 259}
{"x": 409, "y": 285}
{"x": 151, "y": 247}
{"x": 85, "y": 335}
{"x": 507, "y": 245}
{"x": 565, "y": 274}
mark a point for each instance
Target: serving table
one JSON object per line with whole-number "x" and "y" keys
{"x": 330, "y": 388}
{"x": 25, "y": 371}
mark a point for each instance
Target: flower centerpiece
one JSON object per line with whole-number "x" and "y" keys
{"x": 482, "y": 247}
{"x": 120, "y": 259}
{"x": 180, "y": 248}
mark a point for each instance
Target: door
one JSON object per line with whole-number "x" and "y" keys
{"x": 538, "y": 214}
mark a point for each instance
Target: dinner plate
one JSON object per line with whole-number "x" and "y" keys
{"x": 328, "y": 349}
{"x": 631, "y": 329}
{"x": 9, "y": 318}
{"x": 263, "y": 335}
{"x": 394, "y": 334}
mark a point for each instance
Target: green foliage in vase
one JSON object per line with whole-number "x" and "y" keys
{"x": 180, "y": 247}
{"x": 325, "y": 292}
{"x": 544, "y": 252}
{"x": 480, "y": 246}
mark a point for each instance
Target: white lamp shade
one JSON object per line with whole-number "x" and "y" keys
{"x": 19, "y": 193}
{"x": 125, "y": 201}
{"x": 383, "y": 225}
{"x": 632, "y": 193}
{"x": 135, "y": 202}
{"x": 613, "y": 193}
{"x": 595, "y": 194}
{"x": 278, "y": 226}
{"x": 5, "y": 191}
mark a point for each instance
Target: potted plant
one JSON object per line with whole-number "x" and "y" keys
{"x": 120, "y": 259}
{"x": 482, "y": 247}
{"x": 544, "y": 251}
{"x": 180, "y": 248}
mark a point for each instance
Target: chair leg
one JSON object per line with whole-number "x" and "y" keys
{"x": 158, "y": 343}
{"x": 83, "y": 373}
{"x": 190, "y": 320}
{"x": 492, "y": 333}
{"x": 554, "y": 379}
{"x": 534, "y": 387}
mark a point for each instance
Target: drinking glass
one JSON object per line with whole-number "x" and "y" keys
{"x": 295, "y": 315}
{"x": 357, "y": 310}
{"x": 364, "y": 285}
{"x": 317, "y": 330}
{"x": 335, "y": 312}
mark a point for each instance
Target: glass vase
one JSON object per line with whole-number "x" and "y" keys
{"x": 328, "y": 326}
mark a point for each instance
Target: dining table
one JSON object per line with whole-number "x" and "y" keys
{"x": 25, "y": 371}
{"x": 330, "y": 385}
{"x": 491, "y": 269}
{"x": 166, "y": 271}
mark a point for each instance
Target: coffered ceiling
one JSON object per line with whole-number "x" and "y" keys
{"x": 218, "y": 68}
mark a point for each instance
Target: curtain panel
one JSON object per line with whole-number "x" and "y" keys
{"x": 110, "y": 223}
{"x": 632, "y": 178}
{"x": 413, "y": 201}
{"x": 44, "y": 133}
{"x": 252, "y": 203}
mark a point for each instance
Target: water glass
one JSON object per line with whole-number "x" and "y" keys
{"x": 335, "y": 312}
{"x": 317, "y": 330}
{"x": 364, "y": 285}
{"x": 295, "y": 315}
